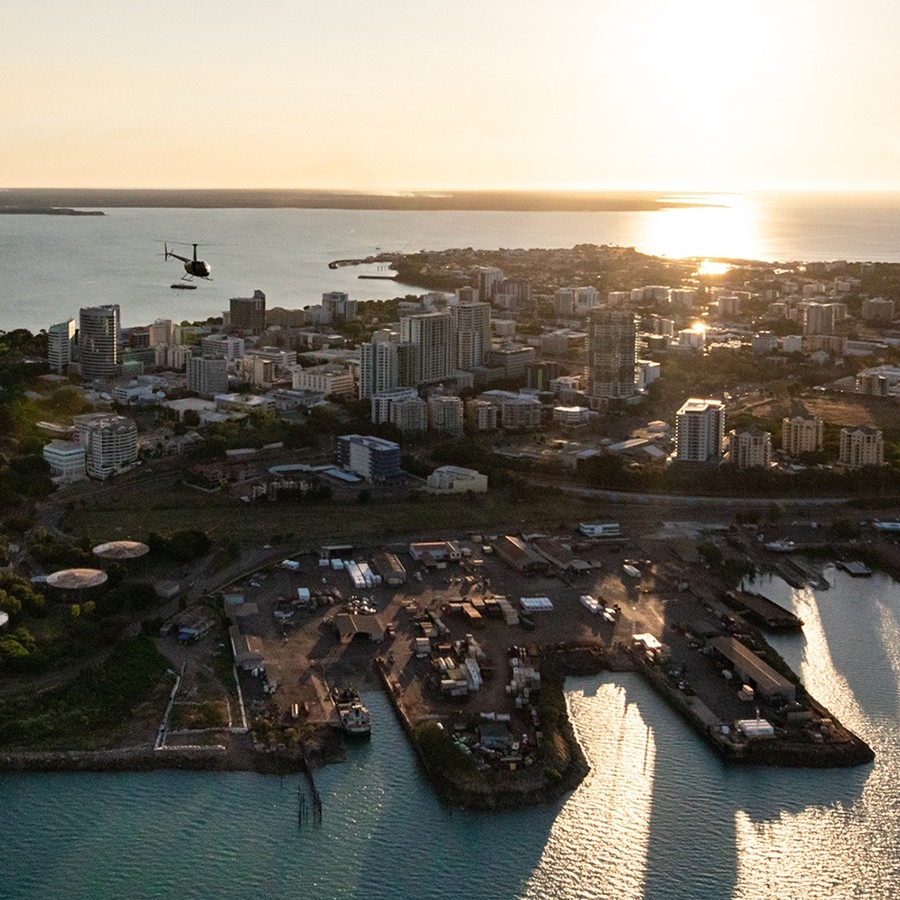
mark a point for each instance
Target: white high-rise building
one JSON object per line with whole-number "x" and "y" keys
{"x": 576, "y": 301}
{"x": 207, "y": 376}
{"x": 432, "y": 334}
{"x": 338, "y": 305}
{"x": 471, "y": 333}
{"x": 381, "y": 404}
{"x": 222, "y": 346}
{"x": 385, "y": 364}
{"x": 174, "y": 356}
{"x": 410, "y": 414}
{"x": 802, "y": 434}
{"x": 699, "y": 430}
{"x": 819, "y": 318}
{"x": 861, "y": 446}
{"x": 99, "y": 336}
{"x": 877, "y": 309}
{"x": 487, "y": 280}
{"x": 162, "y": 331}
{"x": 372, "y": 458}
{"x": 446, "y": 414}
{"x": 60, "y": 340}
{"x": 109, "y": 441}
{"x": 749, "y": 447}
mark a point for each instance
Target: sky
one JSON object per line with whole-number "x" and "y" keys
{"x": 400, "y": 95}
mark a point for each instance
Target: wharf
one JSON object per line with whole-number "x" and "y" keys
{"x": 763, "y": 612}
{"x": 841, "y": 749}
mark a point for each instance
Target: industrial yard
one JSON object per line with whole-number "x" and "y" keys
{"x": 460, "y": 634}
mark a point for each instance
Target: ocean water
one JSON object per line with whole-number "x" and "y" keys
{"x": 51, "y": 266}
{"x": 659, "y": 817}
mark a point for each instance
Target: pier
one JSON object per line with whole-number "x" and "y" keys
{"x": 365, "y": 261}
{"x": 304, "y": 814}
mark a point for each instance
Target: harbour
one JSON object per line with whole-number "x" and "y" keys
{"x": 762, "y": 832}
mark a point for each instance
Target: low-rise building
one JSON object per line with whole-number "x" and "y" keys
{"x": 457, "y": 480}
{"x": 245, "y": 403}
{"x": 389, "y": 567}
{"x": 571, "y": 416}
{"x": 431, "y": 552}
{"x": 66, "y": 460}
{"x": 331, "y": 380}
{"x": 372, "y": 458}
{"x": 519, "y": 555}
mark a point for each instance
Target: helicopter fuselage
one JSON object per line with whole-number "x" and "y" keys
{"x": 198, "y": 268}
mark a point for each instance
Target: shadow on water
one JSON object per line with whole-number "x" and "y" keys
{"x": 401, "y": 841}
{"x": 861, "y": 618}
{"x": 692, "y": 848}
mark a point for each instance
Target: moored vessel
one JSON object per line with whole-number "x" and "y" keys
{"x": 354, "y": 716}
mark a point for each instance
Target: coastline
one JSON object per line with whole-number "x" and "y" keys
{"x": 44, "y": 199}
{"x": 48, "y": 211}
{"x": 504, "y": 792}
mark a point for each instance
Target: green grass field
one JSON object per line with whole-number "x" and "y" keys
{"x": 224, "y": 517}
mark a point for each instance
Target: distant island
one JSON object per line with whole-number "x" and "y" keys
{"x": 52, "y": 200}
{"x": 48, "y": 211}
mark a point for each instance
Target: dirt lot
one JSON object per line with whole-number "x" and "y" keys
{"x": 845, "y": 410}
{"x": 305, "y": 659}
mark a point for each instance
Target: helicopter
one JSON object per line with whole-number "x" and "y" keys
{"x": 192, "y": 267}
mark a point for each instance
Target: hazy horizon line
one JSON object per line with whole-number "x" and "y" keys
{"x": 47, "y": 200}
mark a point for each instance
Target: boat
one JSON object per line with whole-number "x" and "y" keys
{"x": 782, "y": 546}
{"x": 354, "y": 717}
{"x": 855, "y": 568}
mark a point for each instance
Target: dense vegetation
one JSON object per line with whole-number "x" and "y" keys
{"x": 90, "y": 710}
{"x": 440, "y": 752}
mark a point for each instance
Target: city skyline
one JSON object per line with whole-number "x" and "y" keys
{"x": 697, "y": 96}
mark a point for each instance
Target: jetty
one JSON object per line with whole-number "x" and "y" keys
{"x": 364, "y": 261}
{"x": 762, "y": 611}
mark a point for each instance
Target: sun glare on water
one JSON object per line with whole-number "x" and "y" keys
{"x": 713, "y": 267}
{"x": 727, "y": 230}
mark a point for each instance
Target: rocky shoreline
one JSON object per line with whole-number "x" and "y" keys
{"x": 503, "y": 791}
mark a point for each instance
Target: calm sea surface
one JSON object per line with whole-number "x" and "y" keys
{"x": 50, "y": 266}
{"x": 659, "y": 817}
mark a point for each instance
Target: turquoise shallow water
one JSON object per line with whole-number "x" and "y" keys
{"x": 658, "y": 817}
